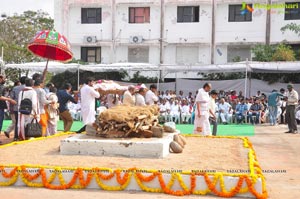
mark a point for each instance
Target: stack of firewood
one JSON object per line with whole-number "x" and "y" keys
{"x": 128, "y": 121}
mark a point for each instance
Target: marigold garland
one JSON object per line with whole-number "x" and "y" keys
{"x": 10, "y": 174}
{"x": 82, "y": 177}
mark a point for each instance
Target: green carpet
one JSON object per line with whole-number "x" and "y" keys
{"x": 231, "y": 130}
{"x": 76, "y": 125}
{"x": 225, "y": 130}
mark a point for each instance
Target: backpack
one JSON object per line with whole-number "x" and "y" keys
{"x": 25, "y": 106}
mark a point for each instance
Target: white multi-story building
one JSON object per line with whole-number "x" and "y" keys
{"x": 173, "y": 32}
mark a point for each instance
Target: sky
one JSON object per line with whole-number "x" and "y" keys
{"x": 9, "y": 7}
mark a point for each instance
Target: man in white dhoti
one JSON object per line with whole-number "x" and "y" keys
{"x": 88, "y": 95}
{"x": 201, "y": 123}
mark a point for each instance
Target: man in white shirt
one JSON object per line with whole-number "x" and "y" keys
{"x": 201, "y": 123}
{"x": 139, "y": 97}
{"x": 224, "y": 111}
{"x": 185, "y": 111}
{"x": 164, "y": 109}
{"x": 151, "y": 97}
{"x": 167, "y": 95}
{"x": 88, "y": 95}
{"x": 128, "y": 97}
{"x": 175, "y": 111}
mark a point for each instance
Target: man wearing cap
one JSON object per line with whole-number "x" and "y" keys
{"x": 292, "y": 101}
{"x": 212, "y": 111}
{"x": 273, "y": 101}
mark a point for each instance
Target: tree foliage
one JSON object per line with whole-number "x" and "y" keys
{"x": 137, "y": 78}
{"x": 291, "y": 27}
{"x": 263, "y": 53}
{"x": 16, "y": 32}
{"x": 267, "y": 53}
{"x": 283, "y": 53}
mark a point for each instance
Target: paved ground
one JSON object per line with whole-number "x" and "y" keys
{"x": 275, "y": 151}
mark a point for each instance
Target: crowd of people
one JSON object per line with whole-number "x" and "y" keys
{"x": 29, "y": 100}
{"x": 202, "y": 108}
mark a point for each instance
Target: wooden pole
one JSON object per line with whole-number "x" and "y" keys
{"x": 45, "y": 72}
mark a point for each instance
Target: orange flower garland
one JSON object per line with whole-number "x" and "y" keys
{"x": 146, "y": 178}
{"x": 232, "y": 193}
{"x": 121, "y": 180}
{"x": 10, "y": 174}
{"x": 29, "y": 176}
{"x": 82, "y": 178}
{"x": 103, "y": 176}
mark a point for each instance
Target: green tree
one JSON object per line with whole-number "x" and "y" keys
{"x": 267, "y": 53}
{"x": 137, "y": 78}
{"x": 283, "y": 53}
{"x": 16, "y": 32}
{"x": 291, "y": 27}
{"x": 263, "y": 53}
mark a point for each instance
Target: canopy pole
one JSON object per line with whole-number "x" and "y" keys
{"x": 45, "y": 72}
{"x": 246, "y": 78}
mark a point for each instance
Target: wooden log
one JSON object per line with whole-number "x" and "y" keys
{"x": 140, "y": 117}
{"x": 154, "y": 117}
{"x": 120, "y": 125}
{"x": 128, "y": 132}
{"x": 141, "y": 123}
{"x": 146, "y": 127}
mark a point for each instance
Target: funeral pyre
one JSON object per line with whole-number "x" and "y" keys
{"x": 129, "y": 121}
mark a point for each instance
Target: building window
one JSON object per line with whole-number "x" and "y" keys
{"x": 91, "y": 15}
{"x": 139, "y": 15}
{"x": 236, "y": 15}
{"x": 292, "y": 11}
{"x": 187, "y": 55}
{"x": 91, "y": 54}
{"x": 138, "y": 54}
{"x": 186, "y": 14}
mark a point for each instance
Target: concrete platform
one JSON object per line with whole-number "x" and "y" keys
{"x": 127, "y": 147}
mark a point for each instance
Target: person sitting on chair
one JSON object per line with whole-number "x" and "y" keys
{"x": 224, "y": 111}
{"x": 255, "y": 111}
{"x": 241, "y": 111}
